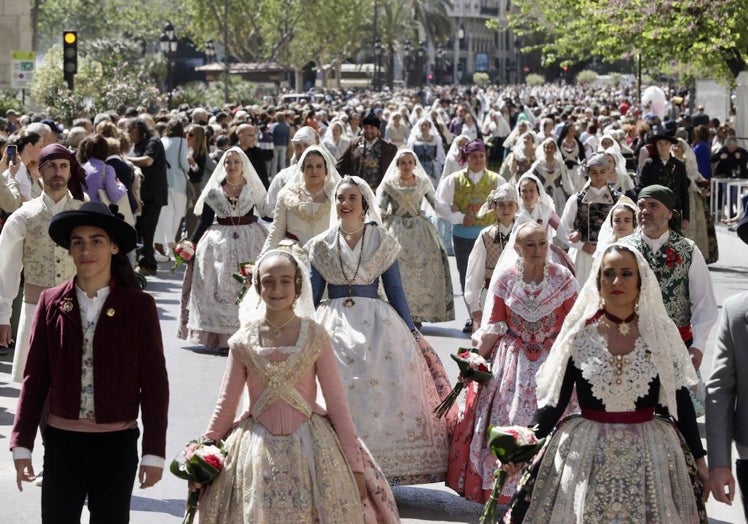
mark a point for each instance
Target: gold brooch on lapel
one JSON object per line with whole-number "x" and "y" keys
{"x": 67, "y": 305}
{"x": 110, "y": 312}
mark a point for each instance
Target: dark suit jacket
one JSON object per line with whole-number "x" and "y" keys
{"x": 350, "y": 162}
{"x": 672, "y": 174}
{"x": 257, "y": 159}
{"x": 129, "y": 366}
{"x": 154, "y": 187}
{"x": 727, "y": 389}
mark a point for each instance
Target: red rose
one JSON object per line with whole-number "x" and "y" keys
{"x": 213, "y": 461}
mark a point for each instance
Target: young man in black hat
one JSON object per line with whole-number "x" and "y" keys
{"x": 369, "y": 155}
{"x": 668, "y": 171}
{"x": 96, "y": 359}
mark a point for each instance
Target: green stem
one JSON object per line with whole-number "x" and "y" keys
{"x": 489, "y": 515}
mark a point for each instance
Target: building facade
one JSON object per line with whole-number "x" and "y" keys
{"x": 15, "y": 34}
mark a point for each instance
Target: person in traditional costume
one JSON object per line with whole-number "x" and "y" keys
{"x": 585, "y": 214}
{"x": 25, "y": 246}
{"x": 529, "y": 298}
{"x": 459, "y": 197}
{"x": 392, "y": 377}
{"x": 698, "y": 189}
{"x": 535, "y": 205}
{"x": 227, "y": 235}
{"x": 503, "y": 202}
{"x": 427, "y": 146}
{"x": 289, "y": 457}
{"x": 552, "y": 172}
{"x": 424, "y": 267}
{"x": 681, "y": 272}
{"x": 302, "y": 210}
{"x": 623, "y": 459}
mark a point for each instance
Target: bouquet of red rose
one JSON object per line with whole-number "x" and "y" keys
{"x": 472, "y": 367}
{"x": 201, "y": 461}
{"x": 183, "y": 252}
{"x": 244, "y": 277}
{"x": 509, "y": 444}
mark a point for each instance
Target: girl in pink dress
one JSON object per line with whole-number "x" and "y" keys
{"x": 528, "y": 299}
{"x": 289, "y": 458}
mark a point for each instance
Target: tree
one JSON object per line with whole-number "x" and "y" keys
{"x": 709, "y": 35}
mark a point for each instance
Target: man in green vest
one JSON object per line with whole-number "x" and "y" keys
{"x": 458, "y": 199}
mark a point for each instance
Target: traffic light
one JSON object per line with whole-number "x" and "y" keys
{"x": 69, "y": 56}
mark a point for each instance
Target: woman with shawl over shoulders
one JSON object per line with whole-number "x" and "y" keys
{"x": 529, "y": 297}
{"x": 424, "y": 267}
{"x": 392, "y": 377}
{"x": 551, "y": 171}
{"x": 303, "y": 207}
{"x": 521, "y": 159}
{"x": 618, "y": 178}
{"x": 624, "y": 459}
{"x": 571, "y": 148}
{"x": 228, "y": 234}
{"x": 535, "y": 205}
{"x": 321, "y": 471}
{"x": 177, "y": 167}
{"x": 620, "y": 223}
{"x": 335, "y": 139}
{"x": 697, "y": 191}
{"x": 427, "y": 145}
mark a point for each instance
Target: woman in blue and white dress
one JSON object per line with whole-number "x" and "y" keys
{"x": 393, "y": 379}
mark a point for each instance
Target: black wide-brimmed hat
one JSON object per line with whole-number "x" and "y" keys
{"x": 93, "y": 214}
{"x": 661, "y": 134}
{"x": 371, "y": 120}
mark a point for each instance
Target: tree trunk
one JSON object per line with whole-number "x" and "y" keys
{"x": 34, "y": 23}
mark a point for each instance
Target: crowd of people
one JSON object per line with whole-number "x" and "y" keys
{"x": 581, "y": 229}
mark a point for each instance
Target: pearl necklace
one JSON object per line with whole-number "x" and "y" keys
{"x": 276, "y": 332}
{"x": 234, "y": 185}
{"x": 349, "y": 234}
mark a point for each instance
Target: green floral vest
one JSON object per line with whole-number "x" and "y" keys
{"x": 670, "y": 265}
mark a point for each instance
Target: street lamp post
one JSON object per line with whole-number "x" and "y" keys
{"x": 458, "y": 42}
{"x": 168, "y": 43}
{"x": 439, "y": 64}
{"x": 378, "y": 48}
{"x": 407, "y": 49}
{"x": 517, "y": 47}
{"x": 420, "y": 52}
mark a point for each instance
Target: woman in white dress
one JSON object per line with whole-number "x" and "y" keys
{"x": 228, "y": 234}
{"x": 551, "y": 170}
{"x": 335, "y": 139}
{"x": 177, "y": 166}
{"x": 393, "y": 379}
{"x": 424, "y": 266}
{"x": 303, "y": 207}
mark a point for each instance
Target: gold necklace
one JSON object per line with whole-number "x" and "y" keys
{"x": 349, "y": 302}
{"x": 277, "y": 329}
{"x": 349, "y": 234}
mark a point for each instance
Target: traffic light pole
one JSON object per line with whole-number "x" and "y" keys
{"x": 69, "y": 56}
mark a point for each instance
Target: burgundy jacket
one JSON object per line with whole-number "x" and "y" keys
{"x": 129, "y": 366}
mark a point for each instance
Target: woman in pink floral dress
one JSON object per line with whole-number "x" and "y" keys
{"x": 523, "y": 314}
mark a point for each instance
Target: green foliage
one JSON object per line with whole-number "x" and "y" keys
{"x": 481, "y": 79}
{"x": 96, "y": 89}
{"x": 586, "y": 77}
{"x": 534, "y": 79}
{"x": 10, "y": 99}
{"x": 709, "y": 35}
{"x": 240, "y": 91}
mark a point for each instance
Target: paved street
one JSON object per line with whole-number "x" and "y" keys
{"x": 195, "y": 377}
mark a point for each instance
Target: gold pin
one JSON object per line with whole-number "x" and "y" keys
{"x": 67, "y": 305}
{"x": 110, "y": 312}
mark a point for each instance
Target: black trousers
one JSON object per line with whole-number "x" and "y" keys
{"x": 100, "y": 466}
{"x": 146, "y": 226}
{"x": 741, "y": 471}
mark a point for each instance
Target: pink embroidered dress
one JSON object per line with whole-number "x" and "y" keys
{"x": 529, "y": 316}
{"x": 289, "y": 459}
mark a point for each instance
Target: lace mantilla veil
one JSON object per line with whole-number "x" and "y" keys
{"x": 606, "y": 237}
{"x": 252, "y": 308}
{"x": 372, "y": 214}
{"x": 658, "y": 332}
{"x": 332, "y": 176}
{"x": 219, "y": 175}
{"x": 393, "y": 172}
